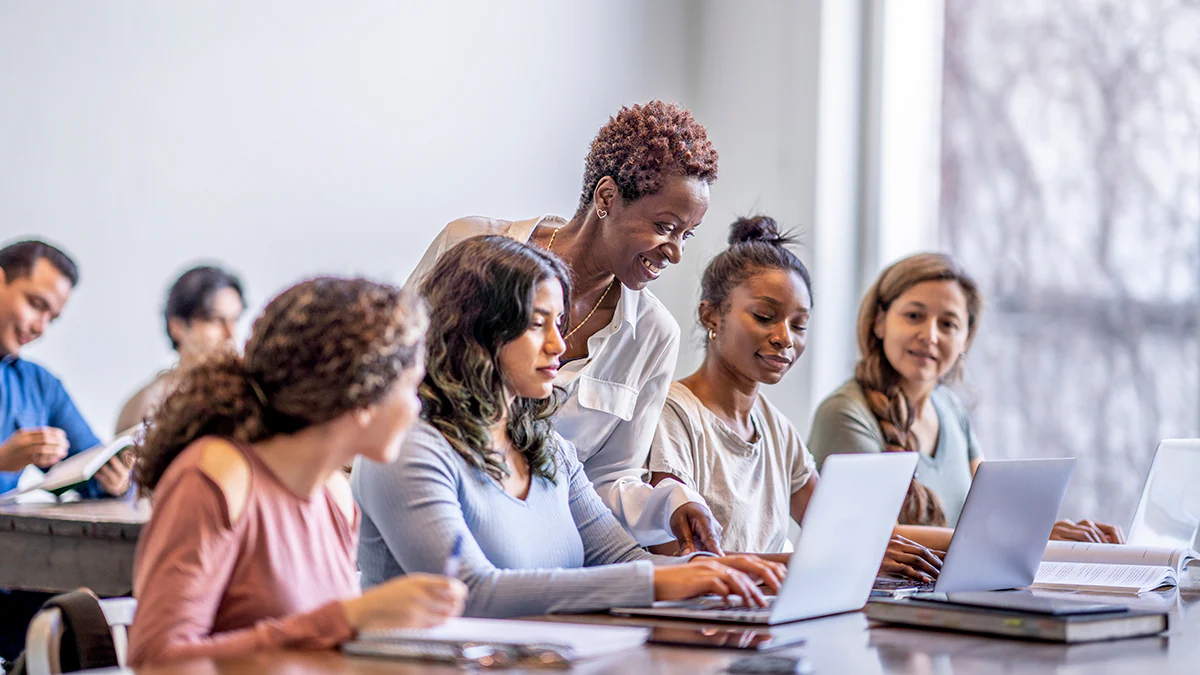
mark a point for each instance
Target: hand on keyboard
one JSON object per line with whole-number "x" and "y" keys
{"x": 906, "y": 558}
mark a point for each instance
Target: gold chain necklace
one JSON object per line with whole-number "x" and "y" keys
{"x": 608, "y": 288}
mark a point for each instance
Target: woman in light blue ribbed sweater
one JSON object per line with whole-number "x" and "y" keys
{"x": 486, "y": 465}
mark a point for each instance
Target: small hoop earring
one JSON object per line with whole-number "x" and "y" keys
{"x": 602, "y": 213}
{"x": 712, "y": 334}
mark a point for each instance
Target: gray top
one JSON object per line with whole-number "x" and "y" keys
{"x": 843, "y": 423}
{"x": 558, "y": 550}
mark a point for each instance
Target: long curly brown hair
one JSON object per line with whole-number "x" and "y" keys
{"x": 643, "y": 144}
{"x": 880, "y": 382}
{"x": 321, "y": 348}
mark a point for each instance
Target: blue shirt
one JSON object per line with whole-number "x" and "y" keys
{"x": 31, "y": 397}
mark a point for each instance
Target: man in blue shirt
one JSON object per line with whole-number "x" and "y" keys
{"x": 39, "y": 423}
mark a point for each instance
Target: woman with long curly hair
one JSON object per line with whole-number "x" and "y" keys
{"x": 915, "y": 325}
{"x": 253, "y": 537}
{"x": 645, "y": 189}
{"x": 485, "y": 474}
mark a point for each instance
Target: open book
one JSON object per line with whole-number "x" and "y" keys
{"x": 74, "y": 470}
{"x": 1113, "y": 568}
{"x": 499, "y": 642}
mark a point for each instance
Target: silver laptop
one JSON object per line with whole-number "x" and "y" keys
{"x": 1169, "y": 511}
{"x": 845, "y": 531}
{"x": 1002, "y": 531}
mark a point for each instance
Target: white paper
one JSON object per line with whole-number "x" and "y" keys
{"x": 583, "y": 640}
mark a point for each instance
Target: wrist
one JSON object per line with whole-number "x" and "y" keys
{"x": 7, "y": 462}
{"x": 657, "y": 585}
{"x": 355, "y": 613}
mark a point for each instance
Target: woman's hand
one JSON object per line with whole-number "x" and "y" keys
{"x": 1088, "y": 531}
{"x": 906, "y": 558}
{"x": 769, "y": 574}
{"x": 696, "y": 529}
{"x": 410, "y": 601}
{"x": 705, "y": 576}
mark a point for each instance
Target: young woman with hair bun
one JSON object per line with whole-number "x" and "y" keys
{"x": 718, "y": 434}
{"x": 915, "y": 325}
{"x": 252, "y": 542}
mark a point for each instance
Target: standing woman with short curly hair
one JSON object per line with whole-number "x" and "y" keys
{"x": 254, "y": 533}
{"x": 645, "y": 189}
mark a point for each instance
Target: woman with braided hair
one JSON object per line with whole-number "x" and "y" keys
{"x": 254, "y": 533}
{"x": 915, "y": 325}
{"x": 645, "y": 190}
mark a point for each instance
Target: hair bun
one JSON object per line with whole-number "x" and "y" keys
{"x": 756, "y": 228}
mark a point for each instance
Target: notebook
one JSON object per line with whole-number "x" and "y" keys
{"x": 74, "y": 470}
{"x": 1083, "y": 627}
{"x": 1111, "y": 568}
{"x": 494, "y": 642}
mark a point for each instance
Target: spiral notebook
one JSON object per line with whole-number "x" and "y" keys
{"x": 497, "y": 642}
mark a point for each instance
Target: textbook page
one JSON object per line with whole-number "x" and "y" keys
{"x": 1103, "y": 577}
{"x": 1118, "y": 554}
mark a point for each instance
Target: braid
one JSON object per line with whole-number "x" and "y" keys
{"x": 880, "y": 382}
{"x": 892, "y": 409}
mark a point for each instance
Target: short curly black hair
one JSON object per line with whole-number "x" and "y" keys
{"x": 642, "y": 144}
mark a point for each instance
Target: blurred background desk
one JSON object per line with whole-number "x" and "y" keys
{"x": 59, "y": 547}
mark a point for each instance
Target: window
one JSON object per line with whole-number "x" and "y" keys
{"x": 1070, "y": 187}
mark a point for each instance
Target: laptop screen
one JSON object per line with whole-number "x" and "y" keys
{"x": 1169, "y": 511}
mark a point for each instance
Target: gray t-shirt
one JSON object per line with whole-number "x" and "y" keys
{"x": 843, "y": 423}
{"x": 748, "y": 486}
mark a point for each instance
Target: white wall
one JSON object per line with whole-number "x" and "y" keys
{"x": 286, "y": 139}
{"x": 779, "y": 88}
{"x": 290, "y": 138}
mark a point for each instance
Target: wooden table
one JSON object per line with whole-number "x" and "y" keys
{"x": 60, "y": 547}
{"x": 839, "y": 644}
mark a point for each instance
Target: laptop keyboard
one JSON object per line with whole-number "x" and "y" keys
{"x": 721, "y": 605}
{"x": 742, "y": 608}
{"x": 895, "y": 584}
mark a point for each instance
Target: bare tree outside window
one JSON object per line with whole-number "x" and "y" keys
{"x": 1070, "y": 176}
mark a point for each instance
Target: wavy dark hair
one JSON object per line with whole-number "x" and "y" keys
{"x": 880, "y": 382}
{"x": 322, "y": 348}
{"x": 480, "y": 296}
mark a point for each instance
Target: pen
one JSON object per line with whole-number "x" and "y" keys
{"x": 454, "y": 560}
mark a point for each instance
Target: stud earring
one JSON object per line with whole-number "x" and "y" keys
{"x": 602, "y": 213}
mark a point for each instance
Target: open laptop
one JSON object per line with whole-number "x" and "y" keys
{"x": 1168, "y": 513}
{"x": 845, "y": 532}
{"x": 1002, "y": 532}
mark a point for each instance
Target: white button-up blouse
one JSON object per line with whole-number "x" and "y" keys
{"x": 615, "y": 393}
